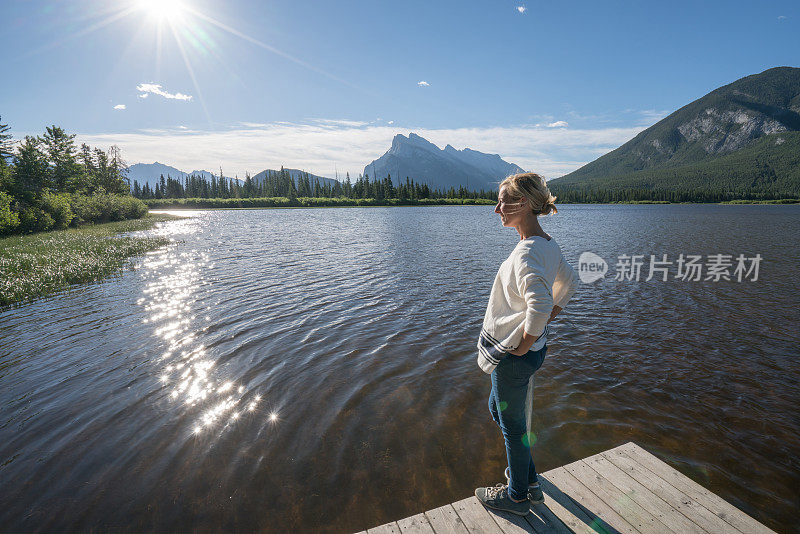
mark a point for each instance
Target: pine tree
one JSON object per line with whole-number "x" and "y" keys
{"x": 30, "y": 175}
{"x": 117, "y": 172}
{"x": 249, "y": 190}
{"x": 88, "y": 168}
{"x": 388, "y": 187}
{"x": 60, "y": 149}
{"x": 292, "y": 192}
{"x": 6, "y": 145}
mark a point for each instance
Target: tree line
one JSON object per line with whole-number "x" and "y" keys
{"x": 47, "y": 182}
{"x": 590, "y": 195}
{"x": 281, "y": 184}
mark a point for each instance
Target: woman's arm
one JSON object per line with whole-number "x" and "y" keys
{"x": 565, "y": 284}
{"x": 527, "y": 339}
{"x": 532, "y": 286}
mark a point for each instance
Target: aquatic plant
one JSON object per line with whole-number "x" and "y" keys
{"x": 35, "y": 265}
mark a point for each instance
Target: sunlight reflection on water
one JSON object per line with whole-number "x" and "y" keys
{"x": 174, "y": 277}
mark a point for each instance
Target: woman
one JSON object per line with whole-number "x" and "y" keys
{"x": 532, "y": 286}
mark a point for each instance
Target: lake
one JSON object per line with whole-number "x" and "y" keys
{"x": 315, "y": 369}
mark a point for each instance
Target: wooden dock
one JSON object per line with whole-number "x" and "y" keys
{"x": 622, "y": 490}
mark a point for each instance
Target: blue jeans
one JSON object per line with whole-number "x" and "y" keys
{"x": 510, "y": 382}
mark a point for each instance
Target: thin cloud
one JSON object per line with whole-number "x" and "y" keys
{"x": 782, "y": 17}
{"x": 339, "y": 122}
{"x": 522, "y": 9}
{"x": 423, "y": 83}
{"x": 558, "y": 124}
{"x": 652, "y": 116}
{"x": 642, "y": 117}
{"x": 587, "y": 116}
{"x": 119, "y": 106}
{"x": 146, "y": 89}
{"x": 321, "y": 149}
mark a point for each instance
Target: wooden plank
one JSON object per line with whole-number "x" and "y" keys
{"x": 475, "y": 516}
{"x": 514, "y": 524}
{"x": 570, "y": 512}
{"x": 676, "y": 498}
{"x": 719, "y": 506}
{"x": 672, "y": 518}
{"x": 445, "y": 520}
{"x": 416, "y": 524}
{"x": 591, "y": 504}
{"x": 627, "y": 508}
{"x": 622, "y": 490}
{"x": 544, "y": 520}
{"x": 511, "y": 523}
{"x": 388, "y": 528}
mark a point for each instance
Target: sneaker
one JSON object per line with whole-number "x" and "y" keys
{"x": 535, "y": 494}
{"x": 497, "y": 498}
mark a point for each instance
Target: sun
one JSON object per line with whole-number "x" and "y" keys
{"x": 163, "y": 10}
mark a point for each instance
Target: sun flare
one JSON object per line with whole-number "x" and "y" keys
{"x": 166, "y": 10}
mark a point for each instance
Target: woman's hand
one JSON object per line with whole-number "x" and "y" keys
{"x": 528, "y": 340}
{"x": 525, "y": 344}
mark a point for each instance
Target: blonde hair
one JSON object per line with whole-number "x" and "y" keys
{"x": 532, "y": 188}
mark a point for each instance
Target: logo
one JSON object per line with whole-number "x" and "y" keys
{"x": 591, "y": 267}
{"x": 690, "y": 267}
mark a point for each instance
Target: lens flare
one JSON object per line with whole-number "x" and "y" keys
{"x": 529, "y": 439}
{"x": 167, "y": 10}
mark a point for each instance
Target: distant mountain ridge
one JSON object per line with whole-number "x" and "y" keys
{"x": 150, "y": 173}
{"x": 695, "y": 146}
{"x": 411, "y": 156}
{"x": 419, "y": 159}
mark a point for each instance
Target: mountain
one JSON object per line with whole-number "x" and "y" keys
{"x": 422, "y": 161}
{"x": 738, "y": 140}
{"x": 151, "y": 173}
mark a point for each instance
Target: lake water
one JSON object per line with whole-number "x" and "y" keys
{"x": 314, "y": 369}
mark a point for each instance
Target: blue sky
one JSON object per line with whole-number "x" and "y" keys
{"x": 321, "y": 85}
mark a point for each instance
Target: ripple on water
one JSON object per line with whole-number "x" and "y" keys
{"x": 268, "y": 362}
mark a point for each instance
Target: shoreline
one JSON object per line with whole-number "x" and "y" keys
{"x": 191, "y": 207}
{"x": 40, "y": 264}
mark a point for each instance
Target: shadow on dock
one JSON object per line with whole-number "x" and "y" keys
{"x": 624, "y": 490}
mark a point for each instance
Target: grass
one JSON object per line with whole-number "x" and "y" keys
{"x": 780, "y": 201}
{"x": 36, "y": 265}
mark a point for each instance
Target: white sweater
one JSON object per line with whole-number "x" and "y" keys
{"x": 534, "y": 278}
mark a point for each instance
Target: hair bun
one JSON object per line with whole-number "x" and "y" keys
{"x": 549, "y": 206}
